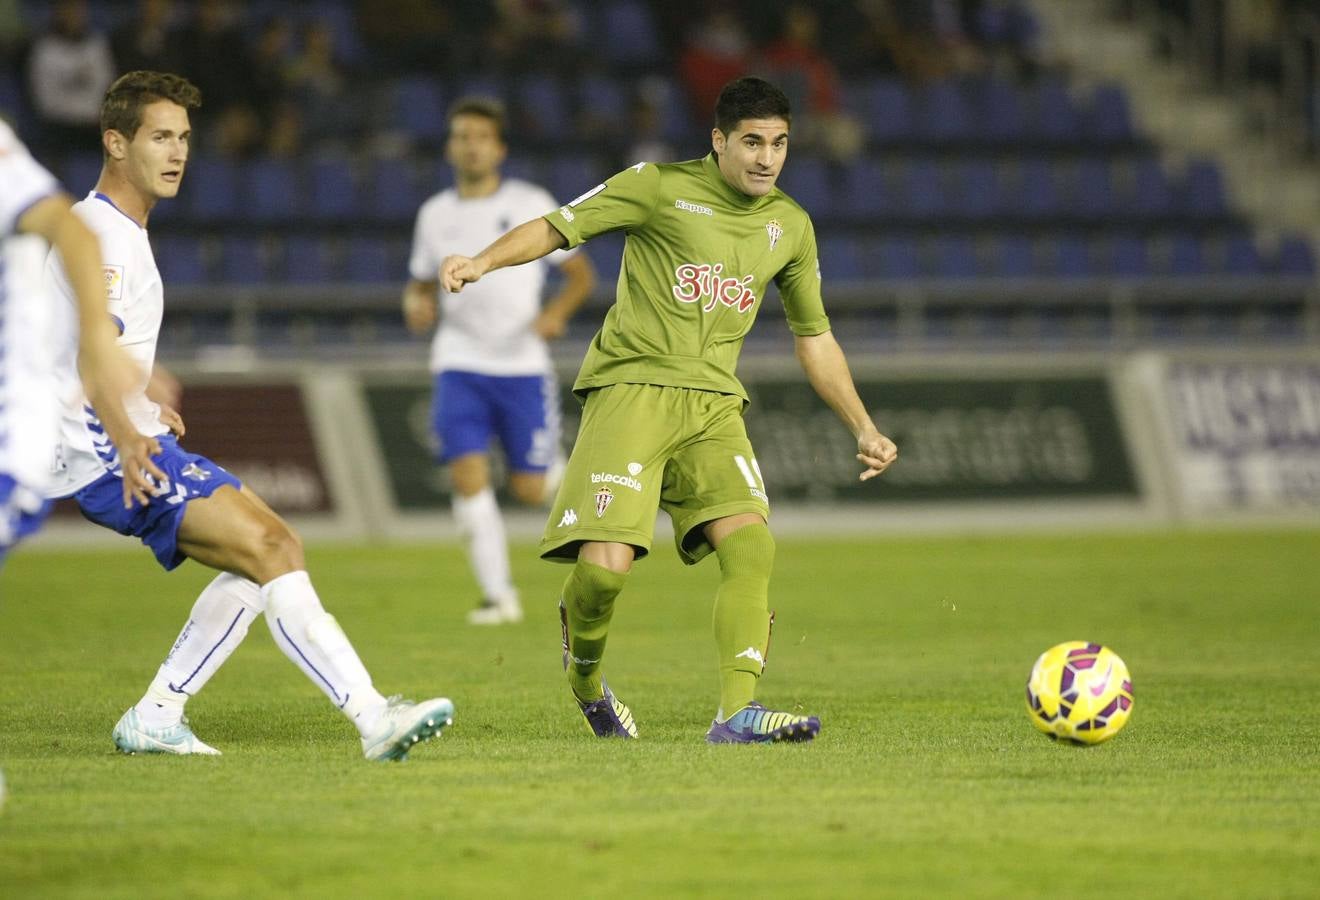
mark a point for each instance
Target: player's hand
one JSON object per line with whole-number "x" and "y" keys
{"x": 135, "y": 452}
{"x": 457, "y": 271}
{"x": 550, "y": 325}
{"x": 876, "y": 452}
{"x": 419, "y": 312}
{"x": 171, "y": 420}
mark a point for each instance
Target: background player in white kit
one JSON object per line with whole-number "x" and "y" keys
{"x": 198, "y": 510}
{"x": 492, "y": 373}
{"x": 35, "y": 213}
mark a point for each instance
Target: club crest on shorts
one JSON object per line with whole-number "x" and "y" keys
{"x": 604, "y": 497}
{"x": 195, "y": 472}
{"x": 775, "y": 230}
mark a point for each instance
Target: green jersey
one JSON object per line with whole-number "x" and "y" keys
{"x": 697, "y": 259}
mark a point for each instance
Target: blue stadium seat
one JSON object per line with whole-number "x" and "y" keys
{"x": 392, "y": 191}
{"x": 1015, "y": 257}
{"x": 886, "y": 109}
{"x": 978, "y": 193}
{"x": 943, "y": 113}
{"x": 1072, "y": 258}
{"x": 570, "y": 176}
{"x": 309, "y": 260}
{"x": 1151, "y": 193}
{"x": 603, "y": 99}
{"x": 333, "y": 190}
{"x": 370, "y": 261}
{"x": 1240, "y": 256}
{"x": 866, "y": 191}
{"x": 923, "y": 184}
{"x": 1128, "y": 257}
{"x": 1295, "y": 256}
{"x": 955, "y": 257}
{"x": 1054, "y": 115}
{"x": 628, "y": 33}
{"x": 1203, "y": 189}
{"x": 1092, "y": 189}
{"x": 80, "y": 172}
{"x": 242, "y": 261}
{"x": 891, "y": 258}
{"x": 273, "y": 192}
{"x": 544, "y": 106}
{"x": 181, "y": 259}
{"x": 213, "y": 187}
{"x": 1185, "y": 256}
{"x": 1038, "y": 191}
{"x": 489, "y": 86}
{"x": 807, "y": 180}
{"x": 523, "y": 168}
{"x": 419, "y": 108}
{"x": 606, "y": 254}
{"x": 1000, "y": 112}
{"x": 1109, "y": 118}
{"x": 840, "y": 259}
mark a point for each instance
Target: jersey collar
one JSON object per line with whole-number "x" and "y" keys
{"x": 102, "y": 197}
{"x": 726, "y": 190}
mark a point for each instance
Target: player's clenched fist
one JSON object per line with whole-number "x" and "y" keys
{"x": 457, "y": 271}
{"x": 876, "y": 452}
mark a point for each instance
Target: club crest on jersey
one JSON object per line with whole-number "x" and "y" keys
{"x": 775, "y": 230}
{"x": 706, "y": 283}
{"x": 114, "y": 282}
{"x": 604, "y": 497}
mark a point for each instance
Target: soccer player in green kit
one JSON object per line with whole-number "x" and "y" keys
{"x": 662, "y": 422}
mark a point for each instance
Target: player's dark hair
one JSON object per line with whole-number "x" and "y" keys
{"x": 122, "y": 108}
{"x": 750, "y": 97}
{"x": 486, "y": 107}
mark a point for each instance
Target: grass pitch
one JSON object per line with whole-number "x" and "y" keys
{"x": 927, "y": 779}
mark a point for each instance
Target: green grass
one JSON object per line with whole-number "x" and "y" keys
{"x": 927, "y": 779}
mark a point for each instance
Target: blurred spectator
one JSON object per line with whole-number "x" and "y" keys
{"x": 529, "y": 35}
{"x": 718, "y": 50}
{"x": 214, "y": 56}
{"x": 404, "y": 36}
{"x": 271, "y": 57}
{"x": 646, "y": 130}
{"x": 795, "y": 62}
{"x": 69, "y": 69}
{"x": 318, "y": 86}
{"x": 13, "y": 34}
{"x": 144, "y": 42}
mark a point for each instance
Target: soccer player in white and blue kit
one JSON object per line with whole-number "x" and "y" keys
{"x": 197, "y": 510}
{"x": 493, "y": 378}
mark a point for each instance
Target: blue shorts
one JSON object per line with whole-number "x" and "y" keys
{"x": 21, "y": 513}
{"x": 469, "y": 410}
{"x": 188, "y": 477}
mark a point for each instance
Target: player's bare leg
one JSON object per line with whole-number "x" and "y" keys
{"x": 585, "y": 609}
{"x": 482, "y": 527}
{"x": 746, "y": 552}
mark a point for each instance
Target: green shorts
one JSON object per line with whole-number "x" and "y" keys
{"x": 643, "y": 446}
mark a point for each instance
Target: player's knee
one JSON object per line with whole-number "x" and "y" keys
{"x": 528, "y": 491}
{"x": 595, "y": 587}
{"x": 748, "y": 551}
{"x": 274, "y": 550}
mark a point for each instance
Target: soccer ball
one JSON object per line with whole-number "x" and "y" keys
{"x": 1080, "y": 692}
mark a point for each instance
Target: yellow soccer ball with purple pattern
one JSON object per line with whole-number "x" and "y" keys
{"x": 1079, "y": 692}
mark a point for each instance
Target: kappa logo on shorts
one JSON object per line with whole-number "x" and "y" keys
{"x": 604, "y": 497}
{"x": 570, "y": 518}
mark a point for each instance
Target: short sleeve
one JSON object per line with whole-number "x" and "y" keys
{"x": 799, "y": 286}
{"x": 23, "y": 181}
{"x": 117, "y": 261}
{"x": 624, "y": 201}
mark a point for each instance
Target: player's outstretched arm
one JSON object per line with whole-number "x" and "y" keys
{"x": 107, "y": 372}
{"x": 822, "y": 359}
{"x": 529, "y": 241}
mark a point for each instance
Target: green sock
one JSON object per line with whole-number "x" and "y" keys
{"x": 742, "y": 621}
{"x": 585, "y": 609}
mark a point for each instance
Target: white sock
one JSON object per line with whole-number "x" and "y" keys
{"x": 488, "y": 552}
{"x": 313, "y": 640}
{"x": 216, "y": 626}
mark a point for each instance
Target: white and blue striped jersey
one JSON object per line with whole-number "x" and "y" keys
{"x": 136, "y": 302}
{"x": 27, "y": 336}
{"x": 488, "y": 327}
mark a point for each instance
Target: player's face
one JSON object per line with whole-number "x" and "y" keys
{"x": 752, "y": 154}
{"x": 474, "y": 147}
{"x": 156, "y": 156}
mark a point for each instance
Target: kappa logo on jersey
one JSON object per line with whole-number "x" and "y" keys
{"x": 570, "y": 518}
{"x": 114, "y": 282}
{"x": 775, "y": 230}
{"x": 705, "y": 282}
{"x": 694, "y": 208}
{"x": 604, "y": 497}
{"x": 623, "y": 480}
